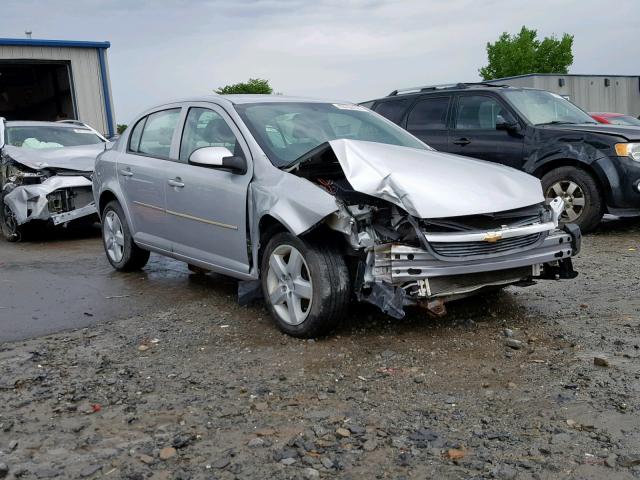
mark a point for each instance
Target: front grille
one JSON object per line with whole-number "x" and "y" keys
{"x": 473, "y": 249}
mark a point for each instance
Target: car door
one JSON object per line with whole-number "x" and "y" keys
{"x": 474, "y": 132}
{"x": 207, "y": 207}
{"x": 142, "y": 176}
{"x": 428, "y": 120}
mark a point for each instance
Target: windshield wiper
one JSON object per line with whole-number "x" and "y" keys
{"x": 560, "y": 122}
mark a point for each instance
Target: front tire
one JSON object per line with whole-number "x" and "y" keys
{"x": 584, "y": 204}
{"x": 11, "y": 231}
{"x": 306, "y": 286}
{"x": 122, "y": 252}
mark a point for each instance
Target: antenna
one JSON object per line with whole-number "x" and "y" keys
{"x": 28, "y": 33}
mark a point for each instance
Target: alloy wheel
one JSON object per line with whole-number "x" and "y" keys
{"x": 289, "y": 285}
{"x": 573, "y": 196}
{"x": 113, "y": 236}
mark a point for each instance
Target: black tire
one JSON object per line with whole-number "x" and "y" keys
{"x": 133, "y": 257}
{"x": 591, "y": 212}
{"x": 329, "y": 283}
{"x": 11, "y": 231}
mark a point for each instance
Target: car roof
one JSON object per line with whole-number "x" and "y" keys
{"x": 444, "y": 89}
{"x": 240, "y": 99}
{"x": 34, "y": 123}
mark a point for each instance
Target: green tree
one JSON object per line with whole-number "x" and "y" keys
{"x": 120, "y": 128}
{"x": 254, "y": 85}
{"x": 523, "y": 53}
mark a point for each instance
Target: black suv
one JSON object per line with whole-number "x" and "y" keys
{"x": 594, "y": 167}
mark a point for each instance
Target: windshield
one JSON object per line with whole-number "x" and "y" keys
{"x": 624, "y": 120}
{"x": 544, "y": 108}
{"x": 39, "y": 137}
{"x": 287, "y": 130}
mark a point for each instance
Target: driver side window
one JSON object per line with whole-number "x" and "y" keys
{"x": 479, "y": 112}
{"x": 206, "y": 128}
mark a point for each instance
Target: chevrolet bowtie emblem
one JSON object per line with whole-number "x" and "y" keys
{"x": 492, "y": 237}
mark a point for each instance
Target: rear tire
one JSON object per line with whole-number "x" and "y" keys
{"x": 122, "y": 252}
{"x": 584, "y": 204}
{"x": 306, "y": 286}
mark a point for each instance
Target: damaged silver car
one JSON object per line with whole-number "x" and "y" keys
{"x": 313, "y": 203}
{"x": 45, "y": 174}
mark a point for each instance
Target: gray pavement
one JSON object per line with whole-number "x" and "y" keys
{"x": 65, "y": 283}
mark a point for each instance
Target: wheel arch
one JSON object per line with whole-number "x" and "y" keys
{"x": 270, "y": 225}
{"x": 108, "y": 195}
{"x": 542, "y": 170}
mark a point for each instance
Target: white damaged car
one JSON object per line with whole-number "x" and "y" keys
{"x": 45, "y": 173}
{"x": 313, "y": 203}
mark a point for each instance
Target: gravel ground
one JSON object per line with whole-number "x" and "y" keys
{"x": 538, "y": 383}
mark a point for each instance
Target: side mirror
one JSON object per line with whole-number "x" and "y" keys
{"x": 502, "y": 124}
{"x": 218, "y": 157}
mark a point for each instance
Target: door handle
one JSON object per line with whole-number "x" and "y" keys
{"x": 462, "y": 141}
{"x": 126, "y": 172}
{"x": 176, "y": 182}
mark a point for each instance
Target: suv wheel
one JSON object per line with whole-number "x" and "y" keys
{"x": 306, "y": 286}
{"x": 122, "y": 252}
{"x": 583, "y": 202}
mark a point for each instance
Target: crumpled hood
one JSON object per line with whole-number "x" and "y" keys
{"x": 430, "y": 184}
{"x": 79, "y": 159}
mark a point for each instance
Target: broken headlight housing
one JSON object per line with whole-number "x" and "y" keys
{"x": 631, "y": 150}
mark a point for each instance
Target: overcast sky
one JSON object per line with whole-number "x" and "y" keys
{"x": 352, "y": 50}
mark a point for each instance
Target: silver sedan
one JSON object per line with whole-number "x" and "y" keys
{"x": 312, "y": 203}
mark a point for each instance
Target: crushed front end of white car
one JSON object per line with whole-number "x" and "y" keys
{"x": 423, "y": 227}
{"x": 52, "y": 185}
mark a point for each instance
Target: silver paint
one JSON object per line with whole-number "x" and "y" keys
{"x": 424, "y": 183}
{"x": 430, "y": 184}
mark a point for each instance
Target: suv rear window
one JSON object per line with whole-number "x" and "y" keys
{"x": 392, "y": 110}
{"x": 429, "y": 113}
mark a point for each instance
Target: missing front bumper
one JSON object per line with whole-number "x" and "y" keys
{"x": 401, "y": 275}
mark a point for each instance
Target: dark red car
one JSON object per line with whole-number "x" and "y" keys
{"x": 615, "y": 118}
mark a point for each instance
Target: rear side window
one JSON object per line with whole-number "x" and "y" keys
{"x": 392, "y": 110}
{"x": 157, "y": 133}
{"x": 430, "y": 113}
{"x": 134, "y": 139}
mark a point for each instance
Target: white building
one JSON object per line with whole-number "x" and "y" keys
{"x": 593, "y": 93}
{"x": 54, "y": 80}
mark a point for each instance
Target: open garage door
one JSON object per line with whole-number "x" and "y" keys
{"x": 36, "y": 91}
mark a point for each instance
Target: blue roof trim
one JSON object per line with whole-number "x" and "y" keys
{"x": 104, "y": 77}
{"x": 37, "y": 42}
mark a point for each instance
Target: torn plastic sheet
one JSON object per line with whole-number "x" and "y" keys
{"x": 29, "y": 202}
{"x": 389, "y": 299}
{"x": 249, "y": 291}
